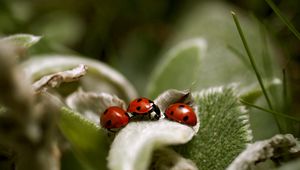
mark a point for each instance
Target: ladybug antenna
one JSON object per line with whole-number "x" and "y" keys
{"x": 193, "y": 85}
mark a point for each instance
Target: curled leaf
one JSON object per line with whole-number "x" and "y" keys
{"x": 172, "y": 96}
{"x": 139, "y": 139}
{"x": 23, "y": 40}
{"x": 167, "y": 159}
{"x": 92, "y": 104}
{"x": 54, "y": 80}
{"x": 277, "y": 146}
{"x": 99, "y": 78}
{"x": 133, "y": 146}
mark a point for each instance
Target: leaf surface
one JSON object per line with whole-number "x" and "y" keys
{"x": 224, "y": 130}
{"x": 179, "y": 68}
{"x": 89, "y": 143}
{"x": 23, "y": 40}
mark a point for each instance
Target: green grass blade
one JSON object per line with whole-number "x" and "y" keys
{"x": 285, "y": 94}
{"x": 283, "y": 18}
{"x": 270, "y": 111}
{"x": 266, "y": 58}
{"x": 251, "y": 59}
{"x": 258, "y": 75}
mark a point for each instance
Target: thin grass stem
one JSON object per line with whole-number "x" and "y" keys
{"x": 270, "y": 111}
{"x": 237, "y": 23}
{"x": 265, "y": 52}
{"x": 285, "y": 93}
{"x": 258, "y": 75}
{"x": 283, "y": 18}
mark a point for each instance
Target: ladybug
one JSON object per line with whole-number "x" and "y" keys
{"x": 114, "y": 118}
{"x": 181, "y": 113}
{"x": 143, "y": 106}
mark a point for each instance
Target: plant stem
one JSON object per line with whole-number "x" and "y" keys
{"x": 267, "y": 63}
{"x": 251, "y": 59}
{"x": 283, "y": 18}
{"x": 285, "y": 93}
{"x": 258, "y": 76}
{"x": 270, "y": 111}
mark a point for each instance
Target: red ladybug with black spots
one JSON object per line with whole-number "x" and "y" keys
{"x": 143, "y": 106}
{"x": 181, "y": 113}
{"x": 114, "y": 118}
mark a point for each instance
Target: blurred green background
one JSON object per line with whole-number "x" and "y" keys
{"x": 129, "y": 35}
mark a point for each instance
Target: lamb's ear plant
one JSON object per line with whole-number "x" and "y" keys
{"x": 63, "y": 96}
{"x": 80, "y": 126}
{"x": 178, "y": 67}
{"x": 21, "y": 40}
{"x": 88, "y": 142}
{"x": 99, "y": 78}
{"x": 224, "y": 129}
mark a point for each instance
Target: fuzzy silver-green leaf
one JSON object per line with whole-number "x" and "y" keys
{"x": 168, "y": 159}
{"x": 224, "y": 130}
{"x": 99, "y": 78}
{"x": 23, "y": 40}
{"x": 88, "y": 141}
{"x": 133, "y": 145}
{"x": 179, "y": 68}
{"x": 92, "y": 105}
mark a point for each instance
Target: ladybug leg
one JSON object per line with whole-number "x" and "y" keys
{"x": 149, "y": 116}
{"x": 110, "y": 130}
{"x": 134, "y": 116}
{"x": 157, "y": 112}
{"x": 146, "y": 116}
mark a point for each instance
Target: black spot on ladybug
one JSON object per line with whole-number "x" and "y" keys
{"x": 171, "y": 113}
{"x": 185, "y": 118}
{"x": 138, "y": 108}
{"x": 108, "y": 123}
{"x": 105, "y": 111}
{"x": 181, "y": 106}
{"x": 139, "y": 100}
